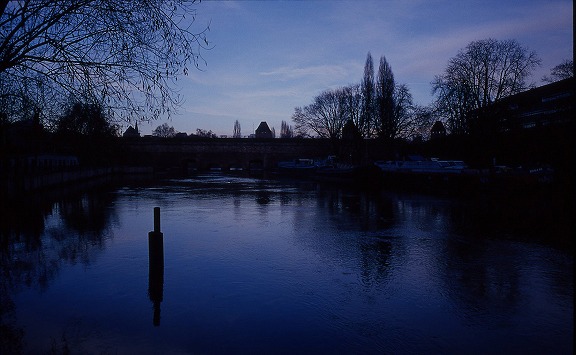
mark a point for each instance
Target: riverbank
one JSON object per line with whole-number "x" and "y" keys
{"x": 17, "y": 184}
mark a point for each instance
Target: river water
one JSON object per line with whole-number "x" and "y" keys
{"x": 267, "y": 266}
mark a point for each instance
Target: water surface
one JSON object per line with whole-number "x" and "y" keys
{"x": 265, "y": 266}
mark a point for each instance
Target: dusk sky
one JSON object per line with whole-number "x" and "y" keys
{"x": 269, "y": 57}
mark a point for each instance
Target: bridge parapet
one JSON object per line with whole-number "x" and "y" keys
{"x": 221, "y": 153}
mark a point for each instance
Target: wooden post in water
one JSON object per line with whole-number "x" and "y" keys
{"x": 157, "y": 220}
{"x": 156, "y": 266}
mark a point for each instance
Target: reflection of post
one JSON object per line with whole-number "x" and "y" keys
{"x": 156, "y": 266}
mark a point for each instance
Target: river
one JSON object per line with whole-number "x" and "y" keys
{"x": 267, "y": 266}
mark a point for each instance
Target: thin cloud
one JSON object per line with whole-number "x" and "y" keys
{"x": 318, "y": 70}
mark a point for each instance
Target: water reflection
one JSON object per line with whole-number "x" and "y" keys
{"x": 156, "y": 284}
{"x": 375, "y": 260}
{"x": 259, "y": 265}
{"x": 156, "y": 267}
{"x": 40, "y": 233}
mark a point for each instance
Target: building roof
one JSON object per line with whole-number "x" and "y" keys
{"x": 542, "y": 106}
{"x": 438, "y": 130}
{"x": 131, "y": 132}
{"x": 263, "y": 131}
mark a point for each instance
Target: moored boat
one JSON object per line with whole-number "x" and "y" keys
{"x": 300, "y": 166}
{"x": 433, "y": 165}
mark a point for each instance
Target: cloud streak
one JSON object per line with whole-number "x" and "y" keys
{"x": 318, "y": 70}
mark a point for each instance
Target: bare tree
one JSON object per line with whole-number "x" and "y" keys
{"x": 453, "y": 102}
{"x": 237, "y": 133}
{"x": 164, "y": 131}
{"x": 205, "y": 134}
{"x": 85, "y": 119}
{"x": 325, "y": 117}
{"x": 286, "y": 130}
{"x": 405, "y": 115}
{"x": 353, "y": 102}
{"x": 562, "y": 71}
{"x": 124, "y": 55}
{"x": 424, "y": 119}
{"x": 484, "y": 72}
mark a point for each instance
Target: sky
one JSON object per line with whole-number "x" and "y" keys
{"x": 268, "y": 57}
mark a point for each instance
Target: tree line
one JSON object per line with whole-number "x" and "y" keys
{"x": 481, "y": 74}
{"x": 378, "y": 107}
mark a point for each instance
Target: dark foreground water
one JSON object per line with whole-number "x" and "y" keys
{"x": 261, "y": 266}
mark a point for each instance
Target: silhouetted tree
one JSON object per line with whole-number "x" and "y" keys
{"x": 86, "y": 130}
{"x": 354, "y": 107}
{"x": 385, "y": 105}
{"x": 124, "y": 54}
{"x": 205, "y": 134}
{"x": 20, "y": 101}
{"x": 366, "y": 123}
{"x": 562, "y": 71}
{"x": 286, "y": 130}
{"x": 484, "y": 72}
{"x": 84, "y": 119}
{"x": 325, "y": 117}
{"x": 405, "y": 117}
{"x": 237, "y": 133}
{"x": 164, "y": 131}
{"x": 386, "y": 110}
{"x": 424, "y": 119}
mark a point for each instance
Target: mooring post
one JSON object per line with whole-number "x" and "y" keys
{"x": 156, "y": 266}
{"x": 156, "y": 238}
{"x": 157, "y": 220}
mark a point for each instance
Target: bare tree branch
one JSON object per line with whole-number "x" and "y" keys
{"x": 127, "y": 54}
{"x": 481, "y": 74}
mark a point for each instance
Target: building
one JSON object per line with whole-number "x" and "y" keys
{"x": 131, "y": 132}
{"x": 263, "y": 131}
{"x": 438, "y": 130}
{"x": 541, "y": 106}
{"x": 551, "y": 104}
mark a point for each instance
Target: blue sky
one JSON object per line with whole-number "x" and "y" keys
{"x": 270, "y": 56}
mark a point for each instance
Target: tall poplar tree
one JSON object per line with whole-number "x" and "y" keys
{"x": 366, "y": 123}
{"x": 237, "y": 133}
{"x": 385, "y": 105}
{"x": 286, "y": 130}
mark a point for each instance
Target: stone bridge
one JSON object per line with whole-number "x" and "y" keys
{"x": 204, "y": 154}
